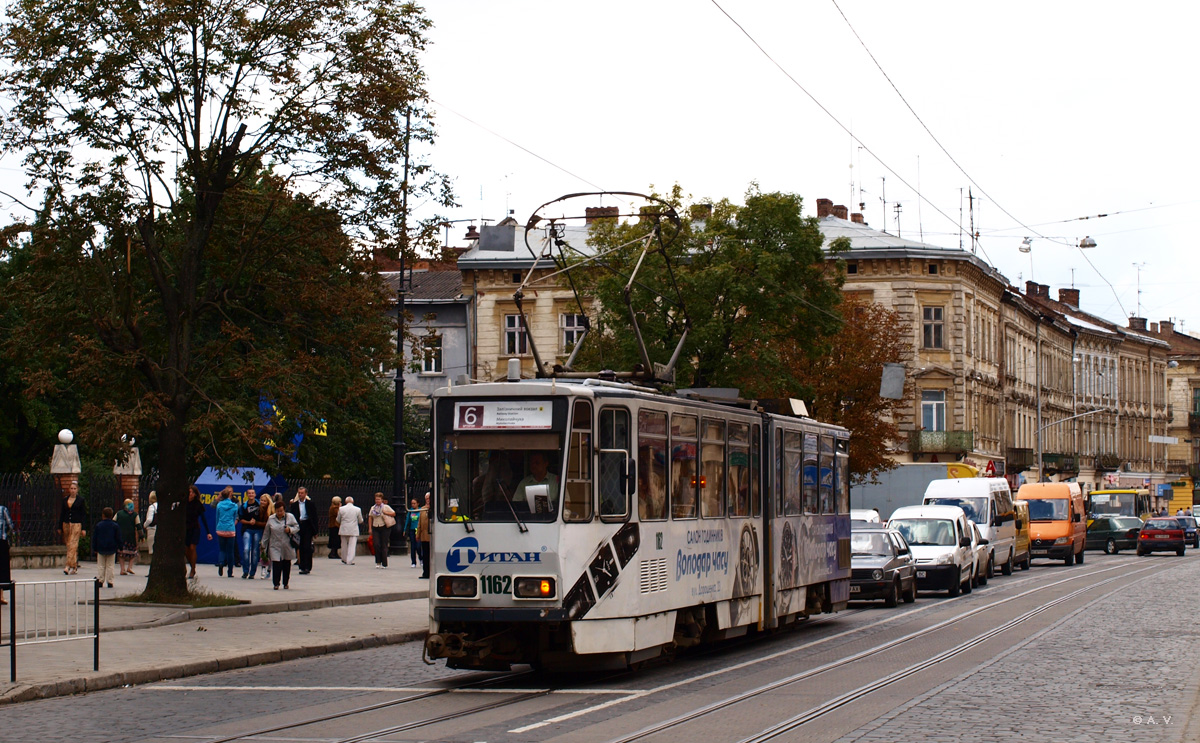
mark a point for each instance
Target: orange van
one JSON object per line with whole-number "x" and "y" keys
{"x": 1057, "y": 530}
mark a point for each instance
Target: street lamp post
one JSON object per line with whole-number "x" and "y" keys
{"x": 398, "y": 489}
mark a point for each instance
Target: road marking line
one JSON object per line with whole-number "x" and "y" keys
{"x": 402, "y": 689}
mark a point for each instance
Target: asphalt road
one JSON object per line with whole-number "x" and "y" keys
{"x": 1107, "y": 650}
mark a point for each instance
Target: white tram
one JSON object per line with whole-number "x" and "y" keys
{"x": 602, "y": 524}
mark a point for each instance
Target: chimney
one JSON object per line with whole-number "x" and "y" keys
{"x": 472, "y": 234}
{"x": 1137, "y": 323}
{"x": 1043, "y": 290}
{"x": 593, "y": 213}
{"x": 824, "y": 208}
{"x": 1167, "y": 327}
{"x": 1069, "y": 297}
{"x": 1154, "y": 328}
{"x": 841, "y": 212}
{"x": 857, "y": 218}
{"x": 1031, "y": 288}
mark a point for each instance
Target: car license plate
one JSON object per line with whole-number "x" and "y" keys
{"x": 854, "y": 589}
{"x": 1161, "y": 536}
{"x": 920, "y": 573}
{"x": 1040, "y": 552}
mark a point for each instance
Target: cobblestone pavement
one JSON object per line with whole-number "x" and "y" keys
{"x": 1125, "y": 669}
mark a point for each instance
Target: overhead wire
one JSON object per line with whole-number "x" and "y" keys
{"x": 962, "y": 170}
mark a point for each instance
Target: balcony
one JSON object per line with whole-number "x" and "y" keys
{"x": 1058, "y": 463}
{"x": 1020, "y": 459}
{"x": 1194, "y": 422}
{"x": 941, "y": 442}
{"x": 1108, "y": 462}
{"x": 1176, "y": 466}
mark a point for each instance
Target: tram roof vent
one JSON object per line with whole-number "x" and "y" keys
{"x": 785, "y": 406}
{"x": 514, "y": 370}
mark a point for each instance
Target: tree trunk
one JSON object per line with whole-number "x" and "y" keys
{"x": 167, "y": 577}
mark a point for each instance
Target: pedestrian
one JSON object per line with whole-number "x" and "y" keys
{"x": 306, "y": 517}
{"x": 106, "y": 540}
{"x": 252, "y": 523}
{"x": 334, "y": 538}
{"x": 195, "y": 517}
{"x": 411, "y": 521}
{"x": 383, "y": 518}
{"x": 130, "y": 525}
{"x": 266, "y": 507}
{"x": 277, "y": 543}
{"x": 349, "y": 517}
{"x": 8, "y": 534}
{"x": 71, "y": 523}
{"x": 151, "y": 522}
{"x": 423, "y": 537}
{"x": 227, "y": 518}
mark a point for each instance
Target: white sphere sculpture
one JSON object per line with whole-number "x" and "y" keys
{"x": 65, "y": 436}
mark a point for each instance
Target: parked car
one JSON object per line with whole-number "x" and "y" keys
{"x": 1191, "y": 534}
{"x": 1021, "y": 508}
{"x": 983, "y": 556}
{"x": 882, "y": 567}
{"x": 988, "y": 503}
{"x": 1113, "y": 533}
{"x": 940, "y": 539}
{"x": 864, "y": 518}
{"x": 1160, "y": 535}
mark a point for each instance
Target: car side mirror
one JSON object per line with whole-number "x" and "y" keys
{"x": 984, "y": 541}
{"x": 964, "y": 542}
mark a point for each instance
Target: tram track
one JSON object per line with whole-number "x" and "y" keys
{"x": 841, "y": 700}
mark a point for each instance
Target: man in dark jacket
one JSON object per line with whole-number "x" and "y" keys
{"x": 306, "y": 516}
{"x": 106, "y": 540}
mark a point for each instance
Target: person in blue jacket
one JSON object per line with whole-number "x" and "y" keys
{"x": 106, "y": 540}
{"x": 227, "y": 518}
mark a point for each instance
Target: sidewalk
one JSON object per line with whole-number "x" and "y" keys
{"x": 335, "y": 608}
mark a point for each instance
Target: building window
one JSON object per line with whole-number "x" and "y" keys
{"x": 932, "y": 327}
{"x": 516, "y": 277}
{"x": 572, "y": 327}
{"x": 851, "y": 268}
{"x": 933, "y": 269}
{"x": 516, "y": 342}
{"x": 431, "y": 354}
{"x": 933, "y": 410}
{"x": 1196, "y": 399}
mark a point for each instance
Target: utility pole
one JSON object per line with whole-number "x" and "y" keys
{"x": 399, "y": 492}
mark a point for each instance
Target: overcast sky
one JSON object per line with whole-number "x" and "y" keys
{"x": 1056, "y": 110}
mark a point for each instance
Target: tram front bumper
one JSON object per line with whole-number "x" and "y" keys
{"x": 444, "y": 614}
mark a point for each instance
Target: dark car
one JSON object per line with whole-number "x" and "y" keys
{"x": 881, "y": 567}
{"x": 1191, "y": 534}
{"x": 1160, "y": 535}
{"x": 1113, "y": 533}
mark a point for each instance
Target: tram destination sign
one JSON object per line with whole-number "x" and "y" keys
{"x": 502, "y": 415}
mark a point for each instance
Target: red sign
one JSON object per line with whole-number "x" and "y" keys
{"x": 990, "y": 470}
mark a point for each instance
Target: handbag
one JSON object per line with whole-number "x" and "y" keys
{"x": 294, "y": 538}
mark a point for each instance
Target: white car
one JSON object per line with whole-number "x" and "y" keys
{"x": 942, "y": 543}
{"x": 983, "y": 556}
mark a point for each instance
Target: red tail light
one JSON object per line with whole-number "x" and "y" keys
{"x": 1132, "y": 533}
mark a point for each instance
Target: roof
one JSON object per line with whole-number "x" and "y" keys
{"x": 926, "y": 512}
{"x": 866, "y": 242}
{"x": 427, "y": 285}
{"x": 503, "y": 246}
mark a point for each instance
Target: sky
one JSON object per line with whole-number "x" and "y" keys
{"x": 1052, "y": 112}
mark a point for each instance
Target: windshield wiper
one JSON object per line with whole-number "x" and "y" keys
{"x": 513, "y": 511}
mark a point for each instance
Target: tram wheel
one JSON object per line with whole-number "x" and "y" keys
{"x": 1110, "y": 547}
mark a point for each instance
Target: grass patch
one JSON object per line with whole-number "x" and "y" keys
{"x": 196, "y": 598}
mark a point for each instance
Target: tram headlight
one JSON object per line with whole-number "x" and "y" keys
{"x": 876, "y": 575}
{"x": 534, "y": 588}
{"x": 457, "y": 586}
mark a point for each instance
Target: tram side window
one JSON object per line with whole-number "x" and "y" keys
{"x": 780, "y": 473}
{"x": 652, "y": 465}
{"x": 825, "y": 484}
{"x": 712, "y": 476}
{"x": 843, "y": 476}
{"x": 739, "y": 470}
{"x": 684, "y": 477}
{"x": 791, "y": 473}
{"x": 578, "y": 504}
{"x": 755, "y": 470}
{"x": 811, "y": 502}
{"x": 614, "y": 445}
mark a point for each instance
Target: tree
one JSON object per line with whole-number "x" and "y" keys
{"x": 192, "y": 307}
{"x": 753, "y": 288}
{"x": 844, "y": 382}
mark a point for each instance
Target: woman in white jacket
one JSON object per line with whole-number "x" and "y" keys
{"x": 277, "y": 543}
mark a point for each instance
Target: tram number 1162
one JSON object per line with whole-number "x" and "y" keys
{"x": 501, "y": 584}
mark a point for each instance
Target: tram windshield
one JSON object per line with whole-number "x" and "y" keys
{"x": 499, "y": 476}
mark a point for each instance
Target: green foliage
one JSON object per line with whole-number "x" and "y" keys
{"x": 752, "y": 284}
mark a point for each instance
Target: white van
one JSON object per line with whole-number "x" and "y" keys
{"x": 989, "y": 503}
{"x": 940, "y": 538}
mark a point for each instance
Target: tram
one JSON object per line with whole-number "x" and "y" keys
{"x": 593, "y": 523}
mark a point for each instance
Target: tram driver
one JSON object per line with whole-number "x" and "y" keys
{"x": 539, "y": 474}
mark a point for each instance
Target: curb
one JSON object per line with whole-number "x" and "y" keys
{"x": 274, "y": 607}
{"x": 49, "y": 689}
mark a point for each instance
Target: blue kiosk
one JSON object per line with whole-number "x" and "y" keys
{"x": 212, "y": 482}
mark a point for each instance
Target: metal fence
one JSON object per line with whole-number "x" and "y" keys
{"x": 321, "y": 491}
{"x": 51, "y": 611}
{"x": 35, "y": 502}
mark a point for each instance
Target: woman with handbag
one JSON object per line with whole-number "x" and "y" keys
{"x": 383, "y": 518}
{"x": 280, "y": 540}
